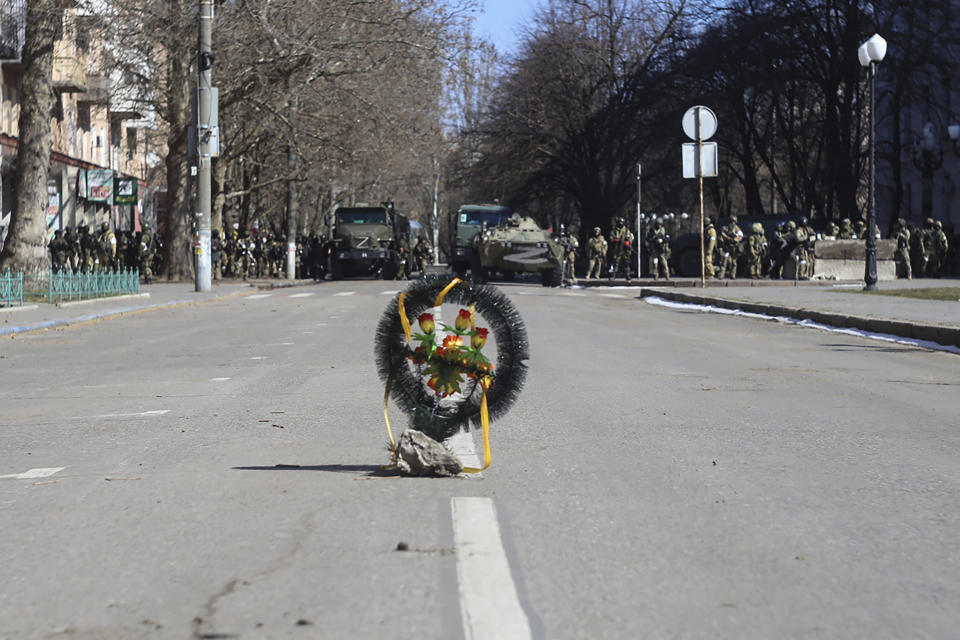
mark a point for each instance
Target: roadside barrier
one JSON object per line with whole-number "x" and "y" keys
{"x": 11, "y": 288}
{"x": 67, "y": 285}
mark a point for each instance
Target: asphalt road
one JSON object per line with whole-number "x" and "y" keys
{"x": 213, "y": 472}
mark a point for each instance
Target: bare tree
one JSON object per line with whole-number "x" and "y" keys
{"x": 25, "y": 247}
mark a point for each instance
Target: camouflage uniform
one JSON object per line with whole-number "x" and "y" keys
{"x": 59, "y": 251}
{"x": 596, "y": 251}
{"x": 902, "y": 256}
{"x": 940, "y": 248}
{"x": 145, "y": 256}
{"x": 709, "y": 247}
{"x": 570, "y": 246}
{"x": 731, "y": 237}
{"x": 846, "y": 230}
{"x": 216, "y": 253}
{"x": 658, "y": 247}
{"x": 621, "y": 238}
{"x": 756, "y": 250}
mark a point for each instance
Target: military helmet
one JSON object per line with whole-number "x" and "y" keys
{"x": 621, "y": 221}
{"x": 938, "y": 224}
{"x": 733, "y": 219}
{"x": 792, "y": 225}
{"x": 757, "y": 227}
{"x": 596, "y": 230}
{"x": 803, "y": 221}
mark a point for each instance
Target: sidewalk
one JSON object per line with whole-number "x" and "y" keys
{"x": 835, "y": 304}
{"x": 33, "y": 317}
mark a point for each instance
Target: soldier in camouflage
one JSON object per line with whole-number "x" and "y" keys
{"x": 596, "y": 251}
{"x": 621, "y": 240}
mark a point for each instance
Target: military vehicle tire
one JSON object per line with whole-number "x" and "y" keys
{"x": 552, "y": 277}
{"x": 389, "y": 271}
{"x": 336, "y": 269}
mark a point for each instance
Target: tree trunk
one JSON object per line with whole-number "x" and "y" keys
{"x": 177, "y": 257}
{"x": 26, "y": 245}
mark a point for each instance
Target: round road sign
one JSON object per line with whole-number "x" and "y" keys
{"x": 708, "y": 123}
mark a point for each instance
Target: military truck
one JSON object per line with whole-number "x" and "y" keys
{"x": 369, "y": 240}
{"x": 518, "y": 245}
{"x": 468, "y": 222}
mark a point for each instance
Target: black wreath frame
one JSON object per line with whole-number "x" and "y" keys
{"x": 496, "y": 312}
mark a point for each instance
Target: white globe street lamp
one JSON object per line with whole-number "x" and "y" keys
{"x": 870, "y": 53}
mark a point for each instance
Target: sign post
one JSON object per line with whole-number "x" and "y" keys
{"x": 700, "y": 160}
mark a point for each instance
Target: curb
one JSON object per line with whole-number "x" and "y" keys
{"x": 76, "y": 303}
{"x": 66, "y": 322}
{"x": 947, "y": 336}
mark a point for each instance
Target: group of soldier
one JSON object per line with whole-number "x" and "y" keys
{"x": 238, "y": 254}
{"x": 921, "y": 251}
{"x": 788, "y": 252}
{"x": 83, "y": 251}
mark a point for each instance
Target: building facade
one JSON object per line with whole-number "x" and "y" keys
{"x": 101, "y": 160}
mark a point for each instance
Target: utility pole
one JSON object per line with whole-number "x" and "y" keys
{"x": 204, "y": 132}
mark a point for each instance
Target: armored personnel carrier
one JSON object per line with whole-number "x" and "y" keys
{"x": 518, "y": 245}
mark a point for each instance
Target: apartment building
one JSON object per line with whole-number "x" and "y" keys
{"x": 101, "y": 161}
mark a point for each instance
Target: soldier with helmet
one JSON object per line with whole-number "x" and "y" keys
{"x": 570, "y": 246}
{"x": 731, "y": 237}
{"x": 596, "y": 251}
{"x": 902, "y": 255}
{"x": 709, "y": 246}
{"x": 658, "y": 246}
{"x": 756, "y": 250}
{"x": 621, "y": 238}
{"x": 846, "y": 230}
{"x": 940, "y": 248}
{"x": 59, "y": 250}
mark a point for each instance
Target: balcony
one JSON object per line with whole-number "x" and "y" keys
{"x": 69, "y": 75}
{"x": 98, "y": 89}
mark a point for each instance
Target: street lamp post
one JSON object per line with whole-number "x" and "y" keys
{"x": 870, "y": 53}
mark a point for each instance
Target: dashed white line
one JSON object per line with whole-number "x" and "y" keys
{"x": 489, "y": 604}
{"x": 618, "y": 296}
{"x": 258, "y": 296}
{"x": 257, "y": 358}
{"x": 44, "y": 472}
{"x": 219, "y": 379}
{"x": 389, "y": 293}
{"x": 345, "y": 293}
{"x": 155, "y": 412}
{"x": 301, "y": 295}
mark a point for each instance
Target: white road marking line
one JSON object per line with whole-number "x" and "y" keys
{"x": 257, "y": 358}
{"x": 389, "y": 293}
{"x": 258, "y": 296}
{"x": 575, "y": 295}
{"x": 301, "y": 295}
{"x": 489, "y": 604}
{"x": 219, "y": 379}
{"x": 156, "y": 412}
{"x": 44, "y": 472}
{"x": 613, "y": 295}
{"x": 461, "y": 445}
{"x": 345, "y": 293}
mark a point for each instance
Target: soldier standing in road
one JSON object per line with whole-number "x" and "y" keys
{"x": 709, "y": 247}
{"x": 621, "y": 239}
{"x": 756, "y": 250}
{"x": 940, "y": 248}
{"x": 216, "y": 253}
{"x": 731, "y": 238}
{"x": 902, "y": 256}
{"x": 59, "y": 250}
{"x": 596, "y": 251}
{"x": 145, "y": 255}
{"x": 658, "y": 246}
{"x": 570, "y": 246}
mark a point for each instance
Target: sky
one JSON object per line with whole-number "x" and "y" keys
{"x": 501, "y": 20}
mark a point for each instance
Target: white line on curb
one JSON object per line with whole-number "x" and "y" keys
{"x": 489, "y": 603}
{"x": 461, "y": 445}
{"x": 34, "y": 473}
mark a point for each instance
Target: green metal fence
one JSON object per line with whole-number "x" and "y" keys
{"x": 64, "y": 285}
{"x": 11, "y": 288}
